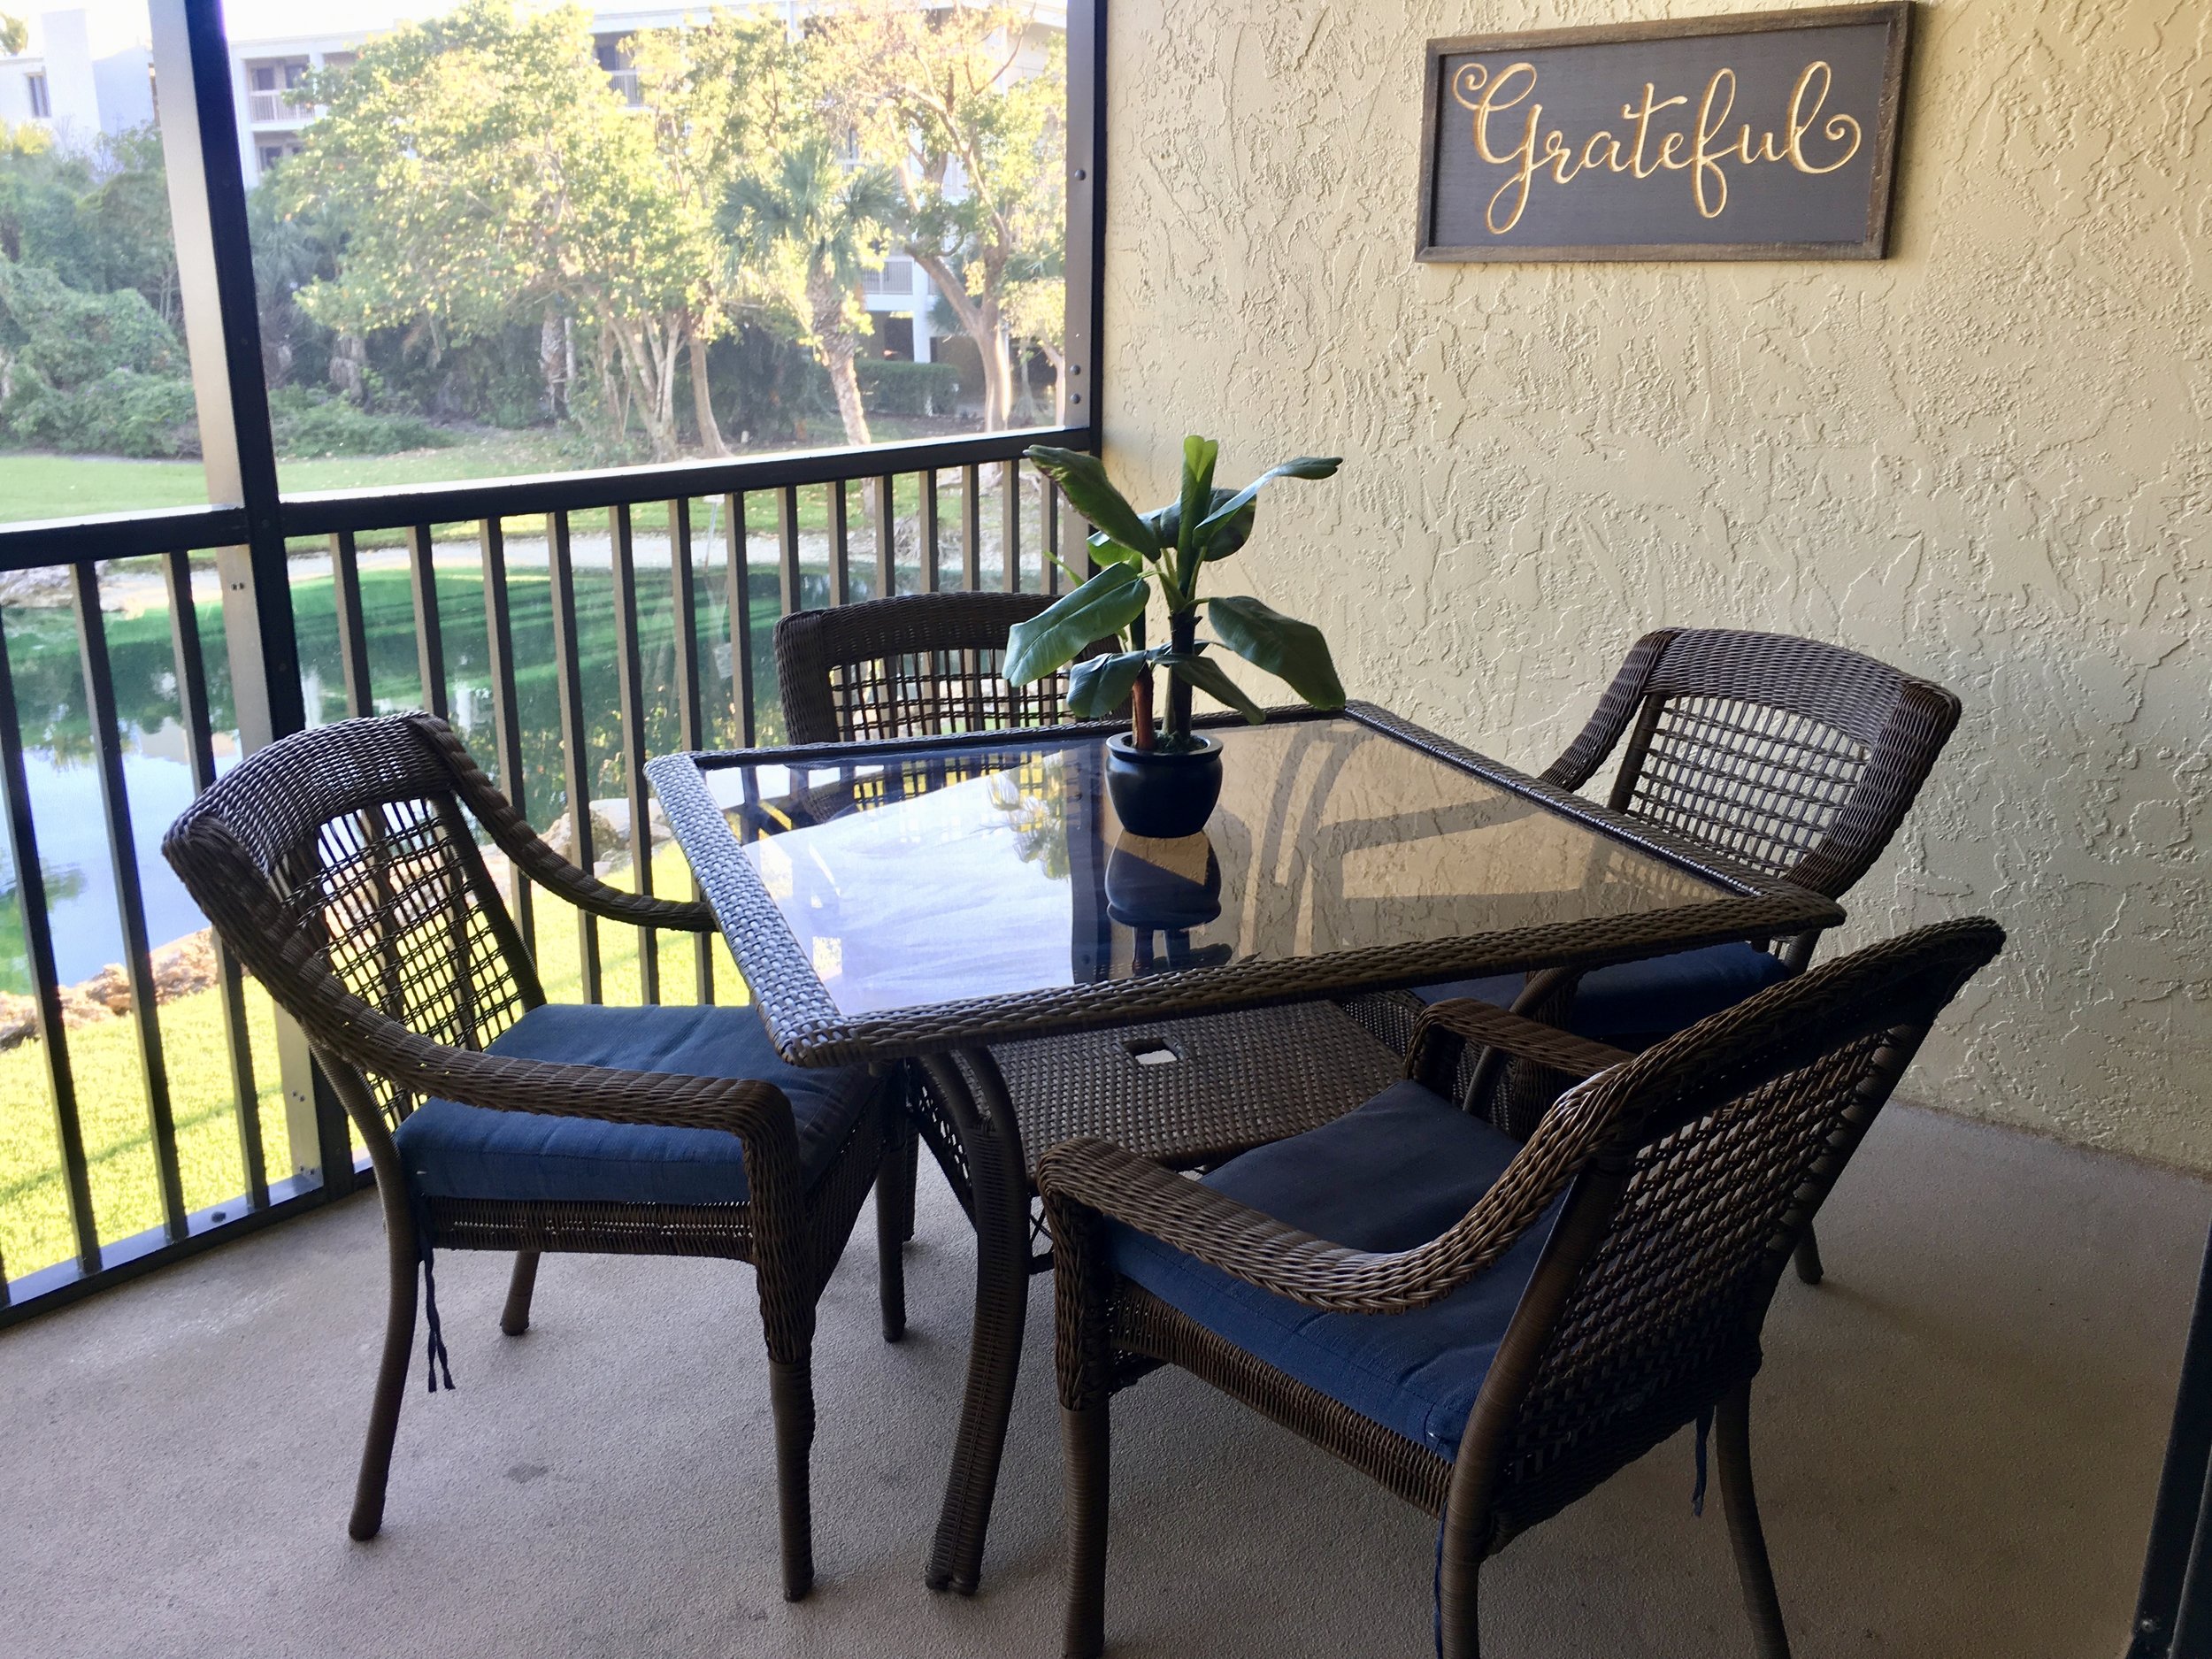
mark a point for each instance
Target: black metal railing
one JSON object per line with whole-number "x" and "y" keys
{"x": 665, "y": 582}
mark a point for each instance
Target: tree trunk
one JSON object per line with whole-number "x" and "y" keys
{"x": 702, "y": 399}
{"x": 1059, "y": 361}
{"x": 978, "y": 320}
{"x": 837, "y": 345}
{"x": 838, "y": 359}
{"x": 555, "y": 366}
{"x": 648, "y": 367}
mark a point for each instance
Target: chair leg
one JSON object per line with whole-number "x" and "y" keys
{"x": 1808, "y": 1267}
{"x": 1457, "y": 1615}
{"x": 514, "y": 1320}
{"x": 391, "y": 1377}
{"x": 911, "y": 1158}
{"x": 1086, "y": 1440}
{"x": 1731, "y": 1431}
{"x": 891, "y": 1233}
{"x": 791, "y": 1398}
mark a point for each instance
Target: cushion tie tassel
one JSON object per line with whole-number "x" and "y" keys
{"x": 1704, "y": 1434}
{"x": 434, "y": 1359}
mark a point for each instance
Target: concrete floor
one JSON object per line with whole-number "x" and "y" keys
{"x": 1958, "y": 1439}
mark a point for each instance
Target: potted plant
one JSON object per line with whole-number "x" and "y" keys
{"x": 1164, "y": 779}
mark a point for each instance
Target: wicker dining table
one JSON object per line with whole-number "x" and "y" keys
{"x": 960, "y": 904}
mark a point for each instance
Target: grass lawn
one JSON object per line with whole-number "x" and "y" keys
{"x": 111, "y": 1103}
{"x": 35, "y": 485}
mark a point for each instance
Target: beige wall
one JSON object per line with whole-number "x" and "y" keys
{"x": 1985, "y": 459}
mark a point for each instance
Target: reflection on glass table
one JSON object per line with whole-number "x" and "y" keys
{"x": 915, "y": 881}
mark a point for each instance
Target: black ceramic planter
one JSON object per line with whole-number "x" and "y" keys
{"x": 1162, "y": 793}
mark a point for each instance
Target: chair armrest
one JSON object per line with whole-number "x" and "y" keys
{"x": 1609, "y": 719}
{"x": 1444, "y": 1028}
{"x": 1251, "y": 1245}
{"x": 523, "y": 844}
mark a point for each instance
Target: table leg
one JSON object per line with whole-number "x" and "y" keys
{"x": 974, "y": 1096}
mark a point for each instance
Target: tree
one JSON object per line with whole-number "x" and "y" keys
{"x": 489, "y": 172}
{"x": 15, "y": 35}
{"x": 966, "y": 103}
{"x": 714, "y": 92}
{"x": 98, "y": 217}
{"x": 812, "y": 228}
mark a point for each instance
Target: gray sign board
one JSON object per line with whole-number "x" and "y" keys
{"x": 1770, "y": 135}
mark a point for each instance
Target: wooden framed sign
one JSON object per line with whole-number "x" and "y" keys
{"x": 1766, "y": 135}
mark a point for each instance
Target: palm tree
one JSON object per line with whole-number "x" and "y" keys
{"x": 816, "y": 226}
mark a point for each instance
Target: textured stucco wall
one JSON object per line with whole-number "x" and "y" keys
{"x": 1985, "y": 459}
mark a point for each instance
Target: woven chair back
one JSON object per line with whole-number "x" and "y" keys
{"x": 916, "y": 665}
{"x": 338, "y": 863}
{"x": 1727, "y": 1138}
{"x": 1797, "y": 757}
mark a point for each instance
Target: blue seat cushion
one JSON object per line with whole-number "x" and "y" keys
{"x": 1649, "y": 999}
{"x": 455, "y": 1151}
{"x": 1393, "y": 1174}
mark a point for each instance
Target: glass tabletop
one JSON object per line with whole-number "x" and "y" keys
{"x": 937, "y": 877}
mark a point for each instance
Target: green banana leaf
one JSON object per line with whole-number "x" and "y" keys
{"x": 1208, "y": 678}
{"x": 1082, "y": 478}
{"x": 1293, "y": 651}
{"x": 1302, "y": 466}
{"x": 1100, "y": 685}
{"x": 1050, "y": 641}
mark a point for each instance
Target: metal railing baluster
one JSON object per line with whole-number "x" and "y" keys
{"x": 840, "y": 544}
{"x": 684, "y": 591}
{"x": 792, "y": 592}
{"x": 1009, "y": 509}
{"x": 926, "y": 535}
{"x": 887, "y": 538}
{"x": 971, "y": 529}
{"x": 353, "y": 636}
{"x": 422, "y": 577}
{"x": 499, "y": 637}
{"x": 1053, "y": 575}
{"x": 737, "y": 576}
{"x": 184, "y": 639}
{"x": 130, "y": 904}
{"x": 38, "y": 941}
{"x": 629, "y": 673}
{"x": 568, "y": 677}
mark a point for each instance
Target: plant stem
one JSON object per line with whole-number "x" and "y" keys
{"x": 1182, "y": 633}
{"x": 1140, "y": 731}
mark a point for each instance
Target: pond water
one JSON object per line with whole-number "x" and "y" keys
{"x": 64, "y": 778}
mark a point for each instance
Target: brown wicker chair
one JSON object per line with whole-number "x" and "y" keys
{"x": 1797, "y": 757}
{"x": 913, "y": 665}
{"x": 1561, "y": 1306}
{"x": 339, "y": 865}
{"x": 928, "y": 664}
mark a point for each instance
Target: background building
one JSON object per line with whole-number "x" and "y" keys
{"x": 84, "y": 75}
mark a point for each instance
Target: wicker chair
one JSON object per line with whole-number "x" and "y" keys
{"x": 1489, "y": 1327}
{"x": 925, "y": 664}
{"x": 914, "y": 665}
{"x": 339, "y": 865}
{"x": 1797, "y": 757}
